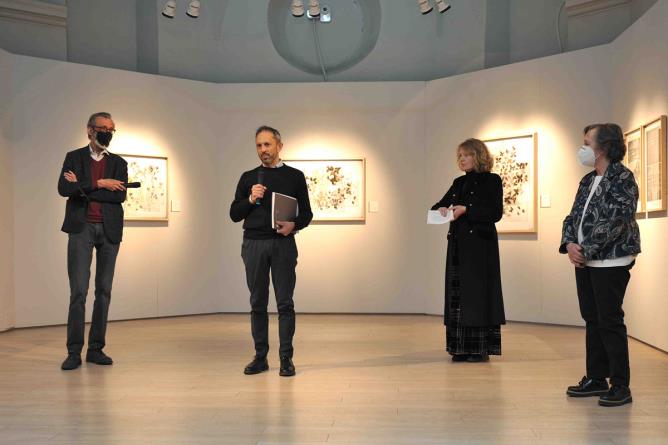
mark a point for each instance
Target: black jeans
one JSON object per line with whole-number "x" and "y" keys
{"x": 278, "y": 256}
{"x": 601, "y": 294}
{"x": 79, "y": 257}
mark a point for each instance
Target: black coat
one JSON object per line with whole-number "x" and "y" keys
{"x": 478, "y": 246}
{"x": 80, "y": 193}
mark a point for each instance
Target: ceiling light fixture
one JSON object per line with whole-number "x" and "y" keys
{"x": 442, "y": 6}
{"x": 297, "y": 8}
{"x": 313, "y": 8}
{"x": 425, "y": 7}
{"x": 193, "y": 9}
{"x": 170, "y": 9}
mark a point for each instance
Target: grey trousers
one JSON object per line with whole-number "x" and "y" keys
{"x": 278, "y": 257}
{"x": 79, "y": 257}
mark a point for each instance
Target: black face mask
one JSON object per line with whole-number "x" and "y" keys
{"x": 103, "y": 138}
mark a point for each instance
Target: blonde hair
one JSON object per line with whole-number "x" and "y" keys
{"x": 483, "y": 161}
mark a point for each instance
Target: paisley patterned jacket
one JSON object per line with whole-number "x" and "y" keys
{"x": 609, "y": 226}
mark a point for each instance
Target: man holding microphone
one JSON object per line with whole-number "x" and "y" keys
{"x": 268, "y": 249}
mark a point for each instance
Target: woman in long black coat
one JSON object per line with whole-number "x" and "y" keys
{"x": 473, "y": 298}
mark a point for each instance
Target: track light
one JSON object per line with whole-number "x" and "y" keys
{"x": 193, "y": 9}
{"x": 170, "y": 9}
{"x": 425, "y": 7}
{"x": 297, "y": 8}
{"x": 314, "y": 8}
{"x": 442, "y": 6}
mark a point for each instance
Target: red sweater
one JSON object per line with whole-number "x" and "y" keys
{"x": 96, "y": 172}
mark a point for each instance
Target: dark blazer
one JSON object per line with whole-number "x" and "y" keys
{"x": 609, "y": 227}
{"x": 80, "y": 193}
{"x": 478, "y": 246}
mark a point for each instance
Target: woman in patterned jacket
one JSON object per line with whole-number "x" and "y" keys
{"x": 602, "y": 239}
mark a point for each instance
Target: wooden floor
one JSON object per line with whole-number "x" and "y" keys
{"x": 361, "y": 380}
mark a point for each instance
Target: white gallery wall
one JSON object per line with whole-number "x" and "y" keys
{"x": 624, "y": 82}
{"x": 192, "y": 264}
{"x": 639, "y": 95}
{"x": 406, "y": 131}
{"x": 6, "y": 204}
{"x": 554, "y": 97}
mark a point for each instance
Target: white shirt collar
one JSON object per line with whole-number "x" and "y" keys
{"x": 280, "y": 164}
{"x": 96, "y": 156}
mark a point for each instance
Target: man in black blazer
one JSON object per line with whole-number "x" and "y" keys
{"x": 94, "y": 182}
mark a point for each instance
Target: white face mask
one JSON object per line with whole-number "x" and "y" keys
{"x": 586, "y": 156}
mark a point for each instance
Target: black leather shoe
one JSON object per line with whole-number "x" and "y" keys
{"x": 477, "y": 358}
{"x": 287, "y": 367}
{"x": 588, "y": 388}
{"x": 98, "y": 357}
{"x": 460, "y": 357}
{"x": 257, "y": 366}
{"x": 73, "y": 361}
{"x": 617, "y": 396}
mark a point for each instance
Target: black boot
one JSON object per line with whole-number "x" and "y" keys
{"x": 287, "y": 367}
{"x": 477, "y": 358}
{"x": 588, "y": 388}
{"x": 258, "y": 365}
{"x": 617, "y": 396}
{"x": 73, "y": 361}
{"x": 460, "y": 357}
{"x": 98, "y": 357}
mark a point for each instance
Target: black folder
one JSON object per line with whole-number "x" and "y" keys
{"x": 283, "y": 208}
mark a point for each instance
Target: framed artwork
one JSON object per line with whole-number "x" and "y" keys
{"x": 654, "y": 140}
{"x": 634, "y": 161}
{"x": 336, "y": 188}
{"x": 515, "y": 161}
{"x": 148, "y": 202}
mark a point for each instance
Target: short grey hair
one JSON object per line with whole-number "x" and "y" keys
{"x": 273, "y": 131}
{"x": 610, "y": 138}
{"x": 93, "y": 117}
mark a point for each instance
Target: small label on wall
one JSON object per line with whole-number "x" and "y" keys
{"x": 374, "y": 207}
{"x": 176, "y": 205}
{"x": 545, "y": 201}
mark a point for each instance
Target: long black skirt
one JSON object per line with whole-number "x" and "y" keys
{"x": 460, "y": 339}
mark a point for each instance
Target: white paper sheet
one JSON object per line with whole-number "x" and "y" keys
{"x": 435, "y": 217}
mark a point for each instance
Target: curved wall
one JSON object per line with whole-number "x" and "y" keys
{"x": 405, "y": 130}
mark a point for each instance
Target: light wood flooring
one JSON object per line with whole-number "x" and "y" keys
{"x": 362, "y": 379}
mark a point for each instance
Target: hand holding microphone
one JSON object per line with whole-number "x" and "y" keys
{"x": 114, "y": 185}
{"x": 257, "y": 191}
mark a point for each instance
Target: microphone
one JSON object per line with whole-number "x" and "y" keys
{"x": 260, "y": 180}
{"x": 132, "y": 185}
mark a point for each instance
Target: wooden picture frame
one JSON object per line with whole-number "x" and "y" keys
{"x": 337, "y": 187}
{"x": 516, "y": 160}
{"x": 634, "y": 160}
{"x": 149, "y": 202}
{"x": 654, "y": 152}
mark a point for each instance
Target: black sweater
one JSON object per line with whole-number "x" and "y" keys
{"x": 257, "y": 218}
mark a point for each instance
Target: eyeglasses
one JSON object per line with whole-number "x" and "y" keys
{"x": 104, "y": 129}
